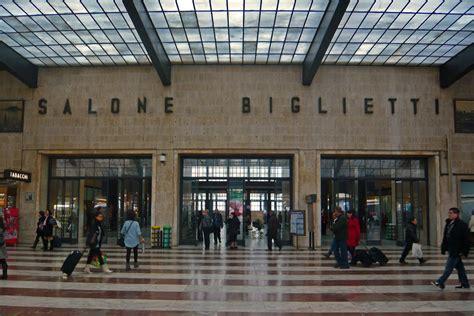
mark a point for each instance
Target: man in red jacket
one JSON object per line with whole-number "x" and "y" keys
{"x": 353, "y": 233}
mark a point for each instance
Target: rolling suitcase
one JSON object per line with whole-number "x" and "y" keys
{"x": 56, "y": 242}
{"x": 71, "y": 262}
{"x": 378, "y": 256}
{"x": 363, "y": 257}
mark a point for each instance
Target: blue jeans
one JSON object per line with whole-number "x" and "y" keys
{"x": 340, "y": 252}
{"x": 333, "y": 247}
{"x": 454, "y": 263}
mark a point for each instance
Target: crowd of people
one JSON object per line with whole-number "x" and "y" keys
{"x": 457, "y": 238}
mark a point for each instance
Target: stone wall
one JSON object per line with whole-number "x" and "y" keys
{"x": 207, "y": 118}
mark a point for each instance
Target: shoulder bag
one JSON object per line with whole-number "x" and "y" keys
{"x": 121, "y": 240}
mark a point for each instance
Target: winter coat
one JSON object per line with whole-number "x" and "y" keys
{"x": 353, "y": 229}
{"x": 273, "y": 226}
{"x": 217, "y": 220}
{"x": 456, "y": 239}
{"x": 206, "y": 222}
{"x": 39, "y": 225}
{"x": 234, "y": 226}
{"x": 3, "y": 248}
{"x": 339, "y": 228}
{"x": 95, "y": 235}
{"x": 48, "y": 224}
{"x": 131, "y": 233}
{"x": 410, "y": 234}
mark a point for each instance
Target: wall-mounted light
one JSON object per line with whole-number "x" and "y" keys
{"x": 163, "y": 158}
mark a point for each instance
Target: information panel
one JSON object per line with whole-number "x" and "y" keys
{"x": 298, "y": 223}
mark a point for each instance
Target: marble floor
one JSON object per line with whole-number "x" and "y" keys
{"x": 189, "y": 281}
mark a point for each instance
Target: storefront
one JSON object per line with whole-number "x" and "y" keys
{"x": 79, "y": 186}
{"x": 385, "y": 194}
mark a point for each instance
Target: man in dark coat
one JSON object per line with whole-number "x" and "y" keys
{"x": 272, "y": 234}
{"x": 411, "y": 237}
{"x": 456, "y": 243}
{"x": 340, "y": 230}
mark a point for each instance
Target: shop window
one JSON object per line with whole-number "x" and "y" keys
{"x": 11, "y": 116}
{"x": 467, "y": 200}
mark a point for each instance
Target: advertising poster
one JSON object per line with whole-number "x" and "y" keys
{"x": 236, "y": 203}
{"x": 11, "y": 226}
{"x": 297, "y": 223}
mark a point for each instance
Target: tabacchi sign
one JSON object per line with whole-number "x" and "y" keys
{"x": 17, "y": 175}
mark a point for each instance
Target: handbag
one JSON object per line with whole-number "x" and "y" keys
{"x": 121, "y": 240}
{"x": 416, "y": 251}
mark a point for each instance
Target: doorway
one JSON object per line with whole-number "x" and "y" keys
{"x": 247, "y": 186}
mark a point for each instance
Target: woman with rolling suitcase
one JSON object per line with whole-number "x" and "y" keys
{"x": 94, "y": 240}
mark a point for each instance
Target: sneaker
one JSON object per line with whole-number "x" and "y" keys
{"x": 127, "y": 267}
{"x": 87, "y": 269}
{"x": 438, "y": 285}
{"x": 135, "y": 265}
{"x": 461, "y": 286}
{"x": 403, "y": 263}
{"x": 326, "y": 256}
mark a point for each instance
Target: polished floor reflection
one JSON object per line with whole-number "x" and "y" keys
{"x": 188, "y": 281}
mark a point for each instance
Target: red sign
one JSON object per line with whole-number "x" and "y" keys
{"x": 11, "y": 226}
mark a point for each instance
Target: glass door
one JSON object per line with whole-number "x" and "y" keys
{"x": 64, "y": 203}
{"x": 188, "y": 234}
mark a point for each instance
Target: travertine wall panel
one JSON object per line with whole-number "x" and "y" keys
{"x": 207, "y": 115}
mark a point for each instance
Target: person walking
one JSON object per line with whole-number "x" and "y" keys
{"x": 3, "y": 249}
{"x": 333, "y": 243}
{"x": 411, "y": 237}
{"x": 234, "y": 229}
{"x": 272, "y": 233}
{"x": 39, "y": 229}
{"x": 132, "y": 237}
{"x": 206, "y": 227}
{"x": 456, "y": 243}
{"x": 340, "y": 235}
{"x": 48, "y": 226}
{"x": 95, "y": 236}
{"x": 217, "y": 224}
{"x": 353, "y": 237}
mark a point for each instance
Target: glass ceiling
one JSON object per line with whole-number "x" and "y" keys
{"x": 382, "y": 32}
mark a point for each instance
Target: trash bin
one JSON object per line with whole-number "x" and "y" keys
{"x": 167, "y": 236}
{"x": 155, "y": 233}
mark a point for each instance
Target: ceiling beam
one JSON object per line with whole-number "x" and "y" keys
{"x": 18, "y": 66}
{"x": 139, "y": 15}
{"x": 328, "y": 26}
{"x": 456, "y": 67}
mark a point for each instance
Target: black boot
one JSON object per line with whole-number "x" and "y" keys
{"x": 35, "y": 243}
{"x": 51, "y": 247}
{"x": 45, "y": 244}
{"x": 5, "y": 270}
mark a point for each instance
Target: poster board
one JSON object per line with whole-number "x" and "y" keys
{"x": 11, "y": 226}
{"x": 298, "y": 223}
